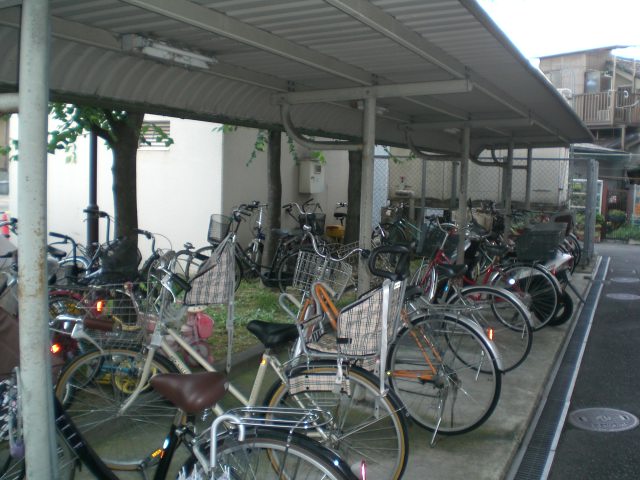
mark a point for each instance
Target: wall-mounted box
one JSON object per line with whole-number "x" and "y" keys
{"x": 311, "y": 177}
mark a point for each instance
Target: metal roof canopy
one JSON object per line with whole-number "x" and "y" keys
{"x": 435, "y": 67}
{"x": 439, "y": 75}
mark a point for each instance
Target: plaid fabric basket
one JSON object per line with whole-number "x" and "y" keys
{"x": 215, "y": 280}
{"x": 360, "y": 324}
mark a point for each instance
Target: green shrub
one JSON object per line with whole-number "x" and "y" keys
{"x": 627, "y": 232}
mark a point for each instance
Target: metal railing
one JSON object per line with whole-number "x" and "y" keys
{"x": 598, "y": 109}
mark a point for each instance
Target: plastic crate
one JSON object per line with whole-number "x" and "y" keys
{"x": 218, "y": 228}
{"x": 539, "y": 243}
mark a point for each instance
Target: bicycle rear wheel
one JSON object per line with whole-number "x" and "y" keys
{"x": 535, "y": 287}
{"x": 272, "y": 454}
{"x": 503, "y": 318}
{"x": 445, "y": 372}
{"x": 366, "y": 425}
{"x": 94, "y": 386}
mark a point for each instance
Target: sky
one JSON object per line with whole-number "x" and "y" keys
{"x": 546, "y": 27}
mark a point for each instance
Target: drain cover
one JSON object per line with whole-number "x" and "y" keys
{"x": 603, "y": 419}
{"x": 625, "y": 279}
{"x": 623, "y": 296}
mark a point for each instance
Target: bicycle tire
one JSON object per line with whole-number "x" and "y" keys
{"x": 574, "y": 248}
{"x": 393, "y": 235}
{"x": 463, "y": 392}
{"x": 267, "y": 453}
{"x": 535, "y": 286}
{"x": 564, "y": 311}
{"x": 503, "y": 318}
{"x": 427, "y": 279}
{"x": 94, "y": 386}
{"x": 287, "y": 269}
{"x": 15, "y": 469}
{"x": 366, "y": 425}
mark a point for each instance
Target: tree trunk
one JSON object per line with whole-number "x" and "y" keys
{"x": 125, "y": 150}
{"x": 274, "y": 192}
{"x": 352, "y": 227}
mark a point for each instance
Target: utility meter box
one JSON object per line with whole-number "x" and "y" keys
{"x": 311, "y": 177}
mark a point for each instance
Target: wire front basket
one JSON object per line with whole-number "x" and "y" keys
{"x": 311, "y": 268}
{"x": 219, "y": 226}
{"x": 431, "y": 237}
{"x": 109, "y": 315}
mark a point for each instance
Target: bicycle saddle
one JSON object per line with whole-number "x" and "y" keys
{"x": 273, "y": 334}
{"x": 191, "y": 393}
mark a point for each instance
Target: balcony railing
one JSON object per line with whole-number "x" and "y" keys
{"x": 596, "y": 109}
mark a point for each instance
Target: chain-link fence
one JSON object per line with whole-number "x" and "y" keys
{"x": 412, "y": 182}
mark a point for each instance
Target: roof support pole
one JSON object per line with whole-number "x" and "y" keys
{"x": 527, "y": 191}
{"x": 462, "y": 196}
{"x": 591, "y": 207}
{"x": 507, "y": 179}
{"x": 366, "y": 189}
{"x": 37, "y": 402}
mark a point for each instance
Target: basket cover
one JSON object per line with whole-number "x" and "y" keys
{"x": 214, "y": 282}
{"x": 360, "y": 324}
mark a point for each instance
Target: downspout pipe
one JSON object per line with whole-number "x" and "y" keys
{"x": 426, "y": 156}
{"x": 285, "y": 114}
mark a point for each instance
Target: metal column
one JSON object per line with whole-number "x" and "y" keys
{"x": 366, "y": 189}
{"x": 508, "y": 182}
{"x": 37, "y": 401}
{"x": 591, "y": 207}
{"x": 527, "y": 194}
{"x": 92, "y": 210}
{"x": 462, "y": 196}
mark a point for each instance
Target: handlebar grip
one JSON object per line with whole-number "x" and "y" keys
{"x": 401, "y": 268}
{"x": 144, "y": 232}
{"x": 58, "y": 235}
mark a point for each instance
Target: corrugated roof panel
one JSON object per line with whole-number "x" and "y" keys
{"x": 272, "y": 46}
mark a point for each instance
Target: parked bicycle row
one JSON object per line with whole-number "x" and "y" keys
{"x": 421, "y": 345}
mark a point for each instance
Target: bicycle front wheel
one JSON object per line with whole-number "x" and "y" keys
{"x": 366, "y": 426}
{"x": 94, "y": 387}
{"x": 445, "y": 372}
{"x": 504, "y": 319}
{"x": 267, "y": 454}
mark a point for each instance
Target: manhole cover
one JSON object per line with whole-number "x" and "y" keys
{"x": 625, "y": 279}
{"x": 623, "y": 296}
{"x": 603, "y": 420}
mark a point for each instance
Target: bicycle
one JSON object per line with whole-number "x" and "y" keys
{"x": 119, "y": 398}
{"x": 428, "y": 357}
{"x": 241, "y": 444}
{"x": 534, "y": 285}
{"x": 220, "y": 226}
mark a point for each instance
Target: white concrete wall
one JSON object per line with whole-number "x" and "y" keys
{"x": 178, "y": 187}
{"x": 245, "y": 182}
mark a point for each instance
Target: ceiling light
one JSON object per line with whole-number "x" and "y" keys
{"x": 164, "y": 51}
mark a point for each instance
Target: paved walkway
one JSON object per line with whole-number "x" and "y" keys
{"x": 608, "y": 378}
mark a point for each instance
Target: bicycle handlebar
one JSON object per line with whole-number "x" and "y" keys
{"x": 307, "y": 233}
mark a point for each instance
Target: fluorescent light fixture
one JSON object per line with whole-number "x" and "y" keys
{"x": 163, "y": 51}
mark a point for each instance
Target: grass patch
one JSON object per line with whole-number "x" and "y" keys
{"x": 253, "y": 301}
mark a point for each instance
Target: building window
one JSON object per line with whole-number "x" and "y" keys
{"x": 156, "y": 134}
